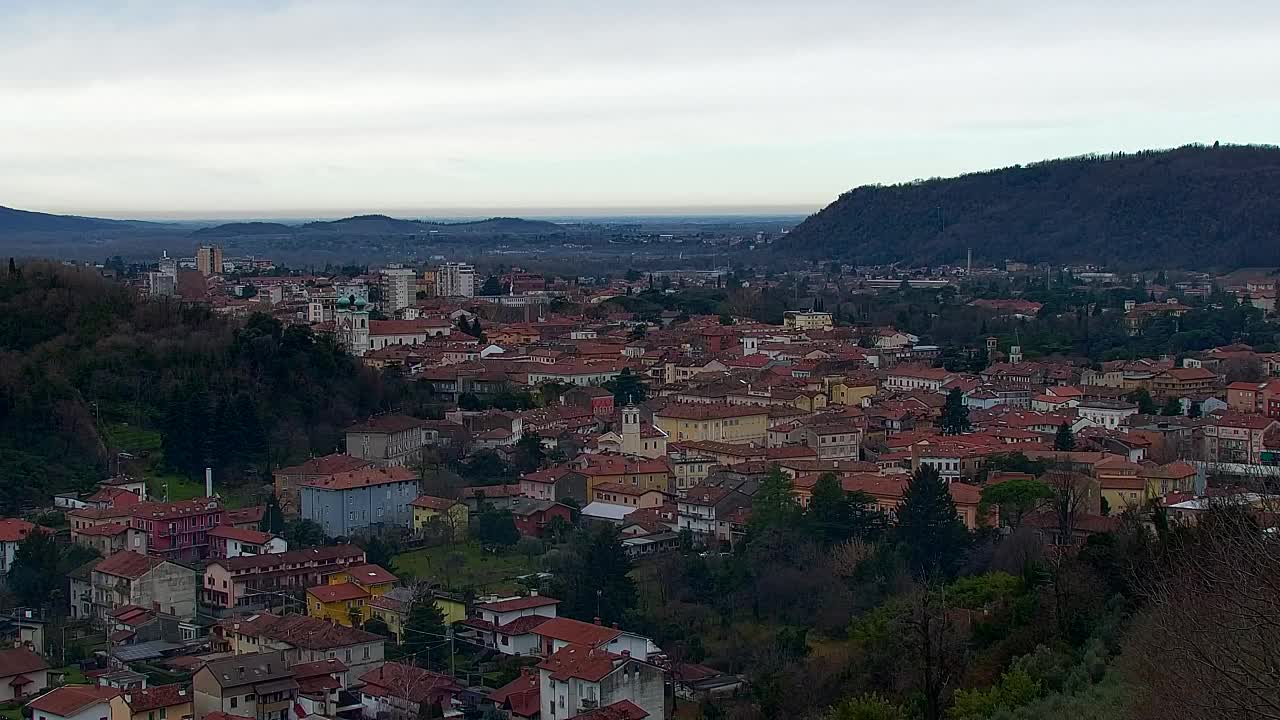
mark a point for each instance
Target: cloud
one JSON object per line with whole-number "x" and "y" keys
{"x": 249, "y": 107}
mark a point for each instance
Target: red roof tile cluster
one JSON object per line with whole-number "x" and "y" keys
{"x": 580, "y": 662}
{"x": 621, "y": 710}
{"x": 325, "y": 465}
{"x": 17, "y": 661}
{"x": 128, "y": 564}
{"x": 517, "y": 604}
{"x": 156, "y": 697}
{"x": 71, "y": 699}
{"x": 364, "y": 477}
{"x": 14, "y": 530}
{"x": 576, "y": 632}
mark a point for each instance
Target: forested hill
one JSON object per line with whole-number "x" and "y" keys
{"x": 85, "y": 363}
{"x": 1193, "y": 207}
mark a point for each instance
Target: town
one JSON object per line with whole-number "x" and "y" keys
{"x": 658, "y": 494}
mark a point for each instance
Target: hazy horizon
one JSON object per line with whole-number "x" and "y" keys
{"x": 250, "y": 109}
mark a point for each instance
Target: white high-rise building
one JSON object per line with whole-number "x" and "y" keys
{"x": 399, "y": 287}
{"x": 456, "y": 280}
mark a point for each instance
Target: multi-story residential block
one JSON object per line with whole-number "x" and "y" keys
{"x": 344, "y": 599}
{"x": 739, "y": 424}
{"x": 917, "y": 378}
{"x": 399, "y": 288}
{"x": 1181, "y": 382}
{"x": 288, "y": 481}
{"x": 259, "y": 686}
{"x": 806, "y": 320}
{"x": 705, "y": 510}
{"x": 580, "y": 679}
{"x": 1237, "y": 438}
{"x": 456, "y": 280}
{"x": 178, "y": 530}
{"x": 300, "y": 639}
{"x": 833, "y": 441}
{"x": 355, "y": 501}
{"x": 129, "y": 578}
{"x": 249, "y": 581}
{"x": 209, "y": 260}
{"x": 388, "y": 440}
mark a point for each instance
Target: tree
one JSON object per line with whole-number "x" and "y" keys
{"x": 425, "y": 629}
{"x": 955, "y": 414}
{"x": 1142, "y": 397}
{"x": 272, "y": 517}
{"x": 1064, "y": 440}
{"x": 628, "y": 389}
{"x": 301, "y": 534}
{"x": 774, "y": 504}
{"x": 37, "y": 569}
{"x": 529, "y": 455}
{"x": 377, "y": 551}
{"x": 495, "y": 528}
{"x": 930, "y": 531}
{"x": 1071, "y": 492}
{"x": 1172, "y": 407}
{"x": 834, "y": 516}
{"x": 597, "y": 581}
{"x": 1016, "y": 499}
{"x": 492, "y": 286}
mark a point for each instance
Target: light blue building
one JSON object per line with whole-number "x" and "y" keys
{"x": 369, "y": 498}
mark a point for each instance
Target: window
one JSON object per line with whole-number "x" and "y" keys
{"x": 235, "y": 702}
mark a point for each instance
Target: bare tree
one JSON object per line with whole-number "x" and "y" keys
{"x": 1073, "y": 496}
{"x": 1208, "y": 644}
{"x": 936, "y": 639}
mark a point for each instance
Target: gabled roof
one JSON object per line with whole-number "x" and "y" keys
{"x": 17, "y": 661}
{"x": 14, "y": 530}
{"x": 253, "y": 537}
{"x": 156, "y": 697}
{"x": 325, "y": 465}
{"x": 621, "y": 710}
{"x": 430, "y": 502}
{"x": 576, "y": 632}
{"x": 71, "y": 699}
{"x": 364, "y": 477}
{"x": 387, "y": 424}
{"x": 370, "y": 574}
{"x": 128, "y": 564}
{"x": 340, "y": 592}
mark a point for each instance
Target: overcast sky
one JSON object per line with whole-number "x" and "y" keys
{"x": 280, "y": 108}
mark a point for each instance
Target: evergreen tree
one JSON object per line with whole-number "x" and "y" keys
{"x": 425, "y": 631}
{"x": 774, "y": 504}
{"x": 272, "y": 517}
{"x": 628, "y": 389}
{"x": 529, "y": 454}
{"x": 928, "y": 528}
{"x": 597, "y": 582}
{"x": 955, "y": 414}
{"x": 495, "y": 528}
{"x": 1172, "y": 407}
{"x": 1064, "y": 440}
{"x": 378, "y": 551}
{"x": 1142, "y": 397}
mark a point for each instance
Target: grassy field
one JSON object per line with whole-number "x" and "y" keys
{"x": 131, "y": 439}
{"x": 466, "y": 565}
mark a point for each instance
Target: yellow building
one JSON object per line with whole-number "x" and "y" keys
{"x": 798, "y": 320}
{"x": 848, "y": 391}
{"x": 345, "y": 600}
{"x": 451, "y": 515}
{"x": 636, "y": 472}
{"x": 739, "y": 424}
{"x": 393, "y": 609}
{"x": 159, "y": 702}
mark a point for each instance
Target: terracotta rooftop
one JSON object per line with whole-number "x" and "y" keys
{"x": 253, "y": 537}
{"x": 14, "y": 530}
{"x": 520, "y": 603}
{"x": 71, "y": 699}
{"x": 339, "y": 592}
{"x": 577, "y": 632}
{"x": 17, "y": 661}
{"x": 127, "y": 564}
{"x": 325, "y": 465}
{"x": 156, "y": 697}
{"x": 430, "y": 502}
{"x": 369, "y": 476}
{"x": 579, "y": 662}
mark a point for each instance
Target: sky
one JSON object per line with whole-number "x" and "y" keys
{"x": 272, "y": 109}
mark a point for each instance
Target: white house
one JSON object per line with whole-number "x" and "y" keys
{"x": 579, "y": 678}
{"x": 1109, "y": 414}
{"x": 22, "y": 673}
{"x": 12, "y": 532}
{"x": 508, "y": 625}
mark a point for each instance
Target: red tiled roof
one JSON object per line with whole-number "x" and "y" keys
{"x": 370, "y": 574}
{"x": 128, "y": 564}
{"x": 17, "y": 661}
{"x": 340, "y": 592}
{"x": 326, "y": 465}
{"x": 14, "y": 530}
{"x": 430, "y": 502}
{"x": 407, "y": 682}
{"x": 576, "y": 632}
{"x": 363, "y": 477}
{"x": 523, "y": 625}
{"x": 253, "y": 537}
{"x": 580, "y": 662}
{"x": 708, "y": 411}
{"x": 522, "y": 695}
{"x": 319, "y": 667}
{"x": 156, "y": 697}
{"x": 71, "y": 699}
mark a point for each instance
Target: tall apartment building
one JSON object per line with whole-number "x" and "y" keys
{"x": 209, "y": 259}
{"x": 399, "y": 287}
{"x": 456, "y": 280}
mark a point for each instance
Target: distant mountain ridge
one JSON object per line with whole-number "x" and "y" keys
{"x": 13, "y": 220}
{"x": 1192, "y": 207}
